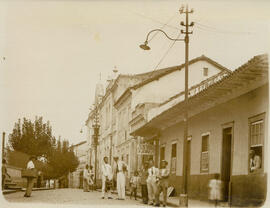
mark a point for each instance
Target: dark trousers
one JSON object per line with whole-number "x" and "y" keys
{"x": 133, "y": 192}
{"x": 144, "y": 194}
{"x": 30, "y": 184}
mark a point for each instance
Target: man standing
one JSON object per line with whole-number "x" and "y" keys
{"x": 152, "y": 186}
{"x": 144, "y": 175}
{"x": 30, "y": 180}
{"x": 106, "y": 178}
{"x": 121, "y": 167}
{"x": 164, "y": 181}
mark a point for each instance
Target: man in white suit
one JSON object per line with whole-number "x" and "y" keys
{"x": 121, "y": 168}
{"x": 107, "y": 176}
{"x": 152, "y": 186}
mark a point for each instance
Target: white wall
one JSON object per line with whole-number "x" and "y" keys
{"x": 169, "y": 85}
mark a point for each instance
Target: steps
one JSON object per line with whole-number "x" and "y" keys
{"x": 11, "y": 186}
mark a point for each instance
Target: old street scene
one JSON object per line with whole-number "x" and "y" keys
{"x": 121, "y": 103}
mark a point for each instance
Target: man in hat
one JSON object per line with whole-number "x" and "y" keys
{"x": 164, "y": 181}
{"x": 30, "y": 180}
{"x": 255, "y": 161}
{"x": 121, "y": 167}
{"x": 107, "y": 176}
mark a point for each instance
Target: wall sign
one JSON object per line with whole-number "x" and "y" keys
{"x": 145, "y": 149}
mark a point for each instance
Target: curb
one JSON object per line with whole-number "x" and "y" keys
{"x": 38, "y": 189}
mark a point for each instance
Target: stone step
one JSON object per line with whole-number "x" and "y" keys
{"x": 14, "y": 188}
{"x": 7, "y": 191}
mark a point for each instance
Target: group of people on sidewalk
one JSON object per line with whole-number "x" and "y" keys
{"x": 88, "y": 178}
{"x": 153, "y": 181}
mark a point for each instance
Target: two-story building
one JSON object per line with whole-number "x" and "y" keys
{"x": 228, "y": 117}
{"x": 128, "y": 98}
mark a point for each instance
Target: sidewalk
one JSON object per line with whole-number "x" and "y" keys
{"x": 174, "y": 201}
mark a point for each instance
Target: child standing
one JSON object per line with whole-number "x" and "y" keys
{"x": 134, "y": 184}
{"x": 215, "y": 190}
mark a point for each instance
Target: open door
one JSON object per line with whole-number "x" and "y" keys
{"x": 226, "y": 161}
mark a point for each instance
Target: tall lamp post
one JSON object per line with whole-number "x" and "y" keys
{"x": 96, "y": 127}
{"x": 183, "y": 200}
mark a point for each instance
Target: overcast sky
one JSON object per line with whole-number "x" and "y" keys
{"x": 55, "y": 50}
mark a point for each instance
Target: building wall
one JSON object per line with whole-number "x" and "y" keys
{"x": 238, "y": 110}
{"x": 81, "y": 152}
{"x": 155, "y": 91}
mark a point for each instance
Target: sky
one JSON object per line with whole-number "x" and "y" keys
{"x": 52, "y": 52}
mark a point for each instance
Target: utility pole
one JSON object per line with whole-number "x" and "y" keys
{"x": 3, "y": 145}
{"x": 183, "y": 201}
{"x": 95, "y": 137}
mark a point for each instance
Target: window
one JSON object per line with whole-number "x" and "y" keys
{"x": 205, "y": 71}
{"x": 173, "y": 158}
{"x": 204, "y": 153}
{"x": 256, "y": 141}
{"x": 162, "y": 154}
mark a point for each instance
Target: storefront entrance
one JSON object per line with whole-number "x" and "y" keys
{"x": 226, "y": 161}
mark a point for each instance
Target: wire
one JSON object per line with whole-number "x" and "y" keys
{"x": 214, "y": 29}
{"x": 164, "y": 56}
{"x": 154, "y": 20}
{"x": 166, "y": 24}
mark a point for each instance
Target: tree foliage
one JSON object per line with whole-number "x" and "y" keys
{"x": 35, "y": 138}
{"x": 32, "y": 138}
{"x": 62, "y": 160}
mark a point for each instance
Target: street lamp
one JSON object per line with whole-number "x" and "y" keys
{"x": 183, "y": 201}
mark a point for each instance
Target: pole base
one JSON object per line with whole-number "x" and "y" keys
{"x": 183, "y": 200}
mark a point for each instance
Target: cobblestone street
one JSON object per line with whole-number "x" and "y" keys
{"x": 70, "y": 196}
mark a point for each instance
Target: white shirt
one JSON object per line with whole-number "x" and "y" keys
{"x": 164, "y": 172}
{"x": 30, "y": 165}
{"x": 107, "y": 171}
{"x": 153, "y": 173}
{"x": 85, "y": 173}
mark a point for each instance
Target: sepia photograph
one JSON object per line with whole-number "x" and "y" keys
{"x": 147, "y": 103}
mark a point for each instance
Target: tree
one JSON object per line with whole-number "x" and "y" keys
{"x": 62, "y": 160}
{"x": 32, "y": 138}
{"x": 35, "y": 138}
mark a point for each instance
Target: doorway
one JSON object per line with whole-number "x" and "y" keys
{"x": 226, "y": 161}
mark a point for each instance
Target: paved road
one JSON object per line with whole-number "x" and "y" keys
{"x": 71, "y": 196}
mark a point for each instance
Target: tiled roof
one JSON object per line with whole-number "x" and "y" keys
{"x": 255, "y": 70}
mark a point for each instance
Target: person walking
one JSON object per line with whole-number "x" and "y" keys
{"x": 152, "y": 184}
{"x": 30, "y": 180}
{"x": 91, "y": 178}
{"x": 121, "y": 167}
{"x": 5, "y": 174}
{"x": 86, "y": 176}
{"x": 164, "y": 181}
{"x": 107, "y": 176}
{"x": 144, "y": 175}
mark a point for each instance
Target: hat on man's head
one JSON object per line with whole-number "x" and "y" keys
{"x": 116, "y": 156}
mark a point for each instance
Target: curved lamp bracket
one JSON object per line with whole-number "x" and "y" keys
{"x": 146, "y": 47}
